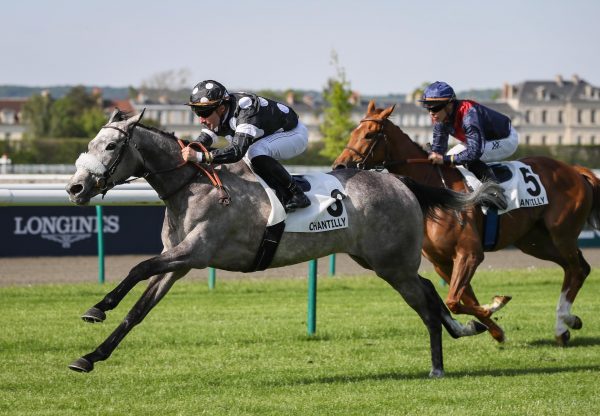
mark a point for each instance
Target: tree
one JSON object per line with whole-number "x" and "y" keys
{"x": 36, "y": 115}
{"x": 92, "y": 120}
{"x": 67, "y": 112}
{"x": 337, "y": 123}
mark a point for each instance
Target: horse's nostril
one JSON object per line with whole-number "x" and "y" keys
{"x": 339, "y": 166}
{"x": 75, "y": 189}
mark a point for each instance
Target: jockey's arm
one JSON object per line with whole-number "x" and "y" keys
{"x": 439, "y": 143}
{"x": 230, "y": 154}
{"x": 206, "y": 137}
{"x": 474, "y": 143}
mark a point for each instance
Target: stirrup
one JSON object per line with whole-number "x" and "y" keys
{"x": 298, "y": 200}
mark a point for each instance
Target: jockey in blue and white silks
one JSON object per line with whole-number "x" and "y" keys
{"x": 473, "y": 124}
{"x": 262, "y": 130}
{"x": 485, "y": 135}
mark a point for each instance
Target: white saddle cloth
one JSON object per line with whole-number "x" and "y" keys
{"x": 523, "y": 189}
{"x": 325, "y": 213}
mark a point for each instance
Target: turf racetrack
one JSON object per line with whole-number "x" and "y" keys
{"x": 242, "y": 349}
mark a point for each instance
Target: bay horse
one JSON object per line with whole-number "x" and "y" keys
{"x": 199, "y": 232}
{"x": 453, "y": 242}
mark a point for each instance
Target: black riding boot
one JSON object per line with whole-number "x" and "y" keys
{"x": 275, "y": 175}
{"x": 484, "y": 173}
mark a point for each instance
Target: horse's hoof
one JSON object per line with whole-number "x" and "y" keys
{"x": 436, "y": 373}
{"x": 93, "y": 315}
{"x": 577, "y": 323}
{"x": 81, "y": 365}
{"x": 475, "y": 327}
{"x": 498, "y": 335}
{"x": 563, "y": 339}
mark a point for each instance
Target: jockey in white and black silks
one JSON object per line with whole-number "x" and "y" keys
{"x": 485, "y": 135}
{"x": 262, "y": 130}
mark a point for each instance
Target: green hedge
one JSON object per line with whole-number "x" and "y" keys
{"x": 49, "y": 151}
{"x": 588, "y": 156}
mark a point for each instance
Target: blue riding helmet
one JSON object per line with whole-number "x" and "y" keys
{"x": 436, "y": 94}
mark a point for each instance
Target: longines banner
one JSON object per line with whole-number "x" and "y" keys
{"x": 71, "y": 231}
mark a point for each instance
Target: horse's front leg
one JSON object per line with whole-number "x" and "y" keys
{"x": 156, "y": 290}
{"x": 166, "y": 262}
{"x": 468, "y": 298}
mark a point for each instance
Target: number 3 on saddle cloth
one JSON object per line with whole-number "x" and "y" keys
{"x": 325, "y": 213}
{"x": 522, "y": 188}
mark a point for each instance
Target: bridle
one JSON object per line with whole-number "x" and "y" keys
{"x": 104, "y": 184}
{"x": 375, "y": 139}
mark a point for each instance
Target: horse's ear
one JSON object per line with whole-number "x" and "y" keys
{"x": 135, "y": 119}
{"x": 386, "y": 113}
{"x": 115, "y": 116}
{"x": 371, "y": 107}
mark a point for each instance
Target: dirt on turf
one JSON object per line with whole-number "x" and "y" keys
{"x": 48, "y": 270}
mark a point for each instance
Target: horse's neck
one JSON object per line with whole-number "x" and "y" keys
{"x": 404, "y": 148}
{"x": 162, "y": 160}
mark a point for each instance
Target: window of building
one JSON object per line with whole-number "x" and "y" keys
{"x": 560, "y": 117}
{"x": 578, "y": 140}
{"x": 543, "y": 140}
{"x": 544, "y": 114}
{"x": 592, "y": 116}
{"x": 593, "y": 140}
{"x": 579, "y": 112}
{"x": 527, "y": 116}
{"x": 527, "y": 140}
{"x": 560, "y": 140}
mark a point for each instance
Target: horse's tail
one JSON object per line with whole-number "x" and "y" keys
{"x": 431, "y": 197}
{"x": 594, "y": 217}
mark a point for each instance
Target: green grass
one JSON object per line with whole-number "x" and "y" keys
{"x": 243, "y": 350}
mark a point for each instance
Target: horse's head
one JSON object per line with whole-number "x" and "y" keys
{"x": 108, "y": 161}
{"x": 367, "y": 146}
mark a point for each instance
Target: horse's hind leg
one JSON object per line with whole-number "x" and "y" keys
{"x": 566, "y": 254}
{"x": 156, "y": 290}
{"x": 416, "y": 295}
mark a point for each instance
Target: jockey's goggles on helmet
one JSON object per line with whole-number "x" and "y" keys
{"x": 205, "y": 110}
{"x": 435, "y": 107}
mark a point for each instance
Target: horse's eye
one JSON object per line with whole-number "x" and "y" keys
{"x": 111, "y": 146}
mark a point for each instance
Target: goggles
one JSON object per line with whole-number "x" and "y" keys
{"x": 435, "y": 107}
{"x": 204, "y": 111}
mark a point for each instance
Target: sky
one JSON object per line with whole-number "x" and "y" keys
{"x": 383, "y": 47}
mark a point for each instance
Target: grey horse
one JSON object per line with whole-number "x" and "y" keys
{"x": 385, "y": 232}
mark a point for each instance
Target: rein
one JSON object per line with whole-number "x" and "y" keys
{"x": 225, "y": 198}
{"x": 103, "y": 183}
{"x": 378, "y": 136}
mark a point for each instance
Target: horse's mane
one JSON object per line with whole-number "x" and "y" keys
{"x": 123, "y": 115}
{"x": 395, "y": 126}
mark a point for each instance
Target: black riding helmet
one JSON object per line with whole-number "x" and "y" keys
{"x": 207, "y": 96}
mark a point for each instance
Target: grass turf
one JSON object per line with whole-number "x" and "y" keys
{"x": 243, "y": 350}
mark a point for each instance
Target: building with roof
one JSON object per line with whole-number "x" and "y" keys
{"x": 557, "y": 112}
{"x": 12, "y": 127}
